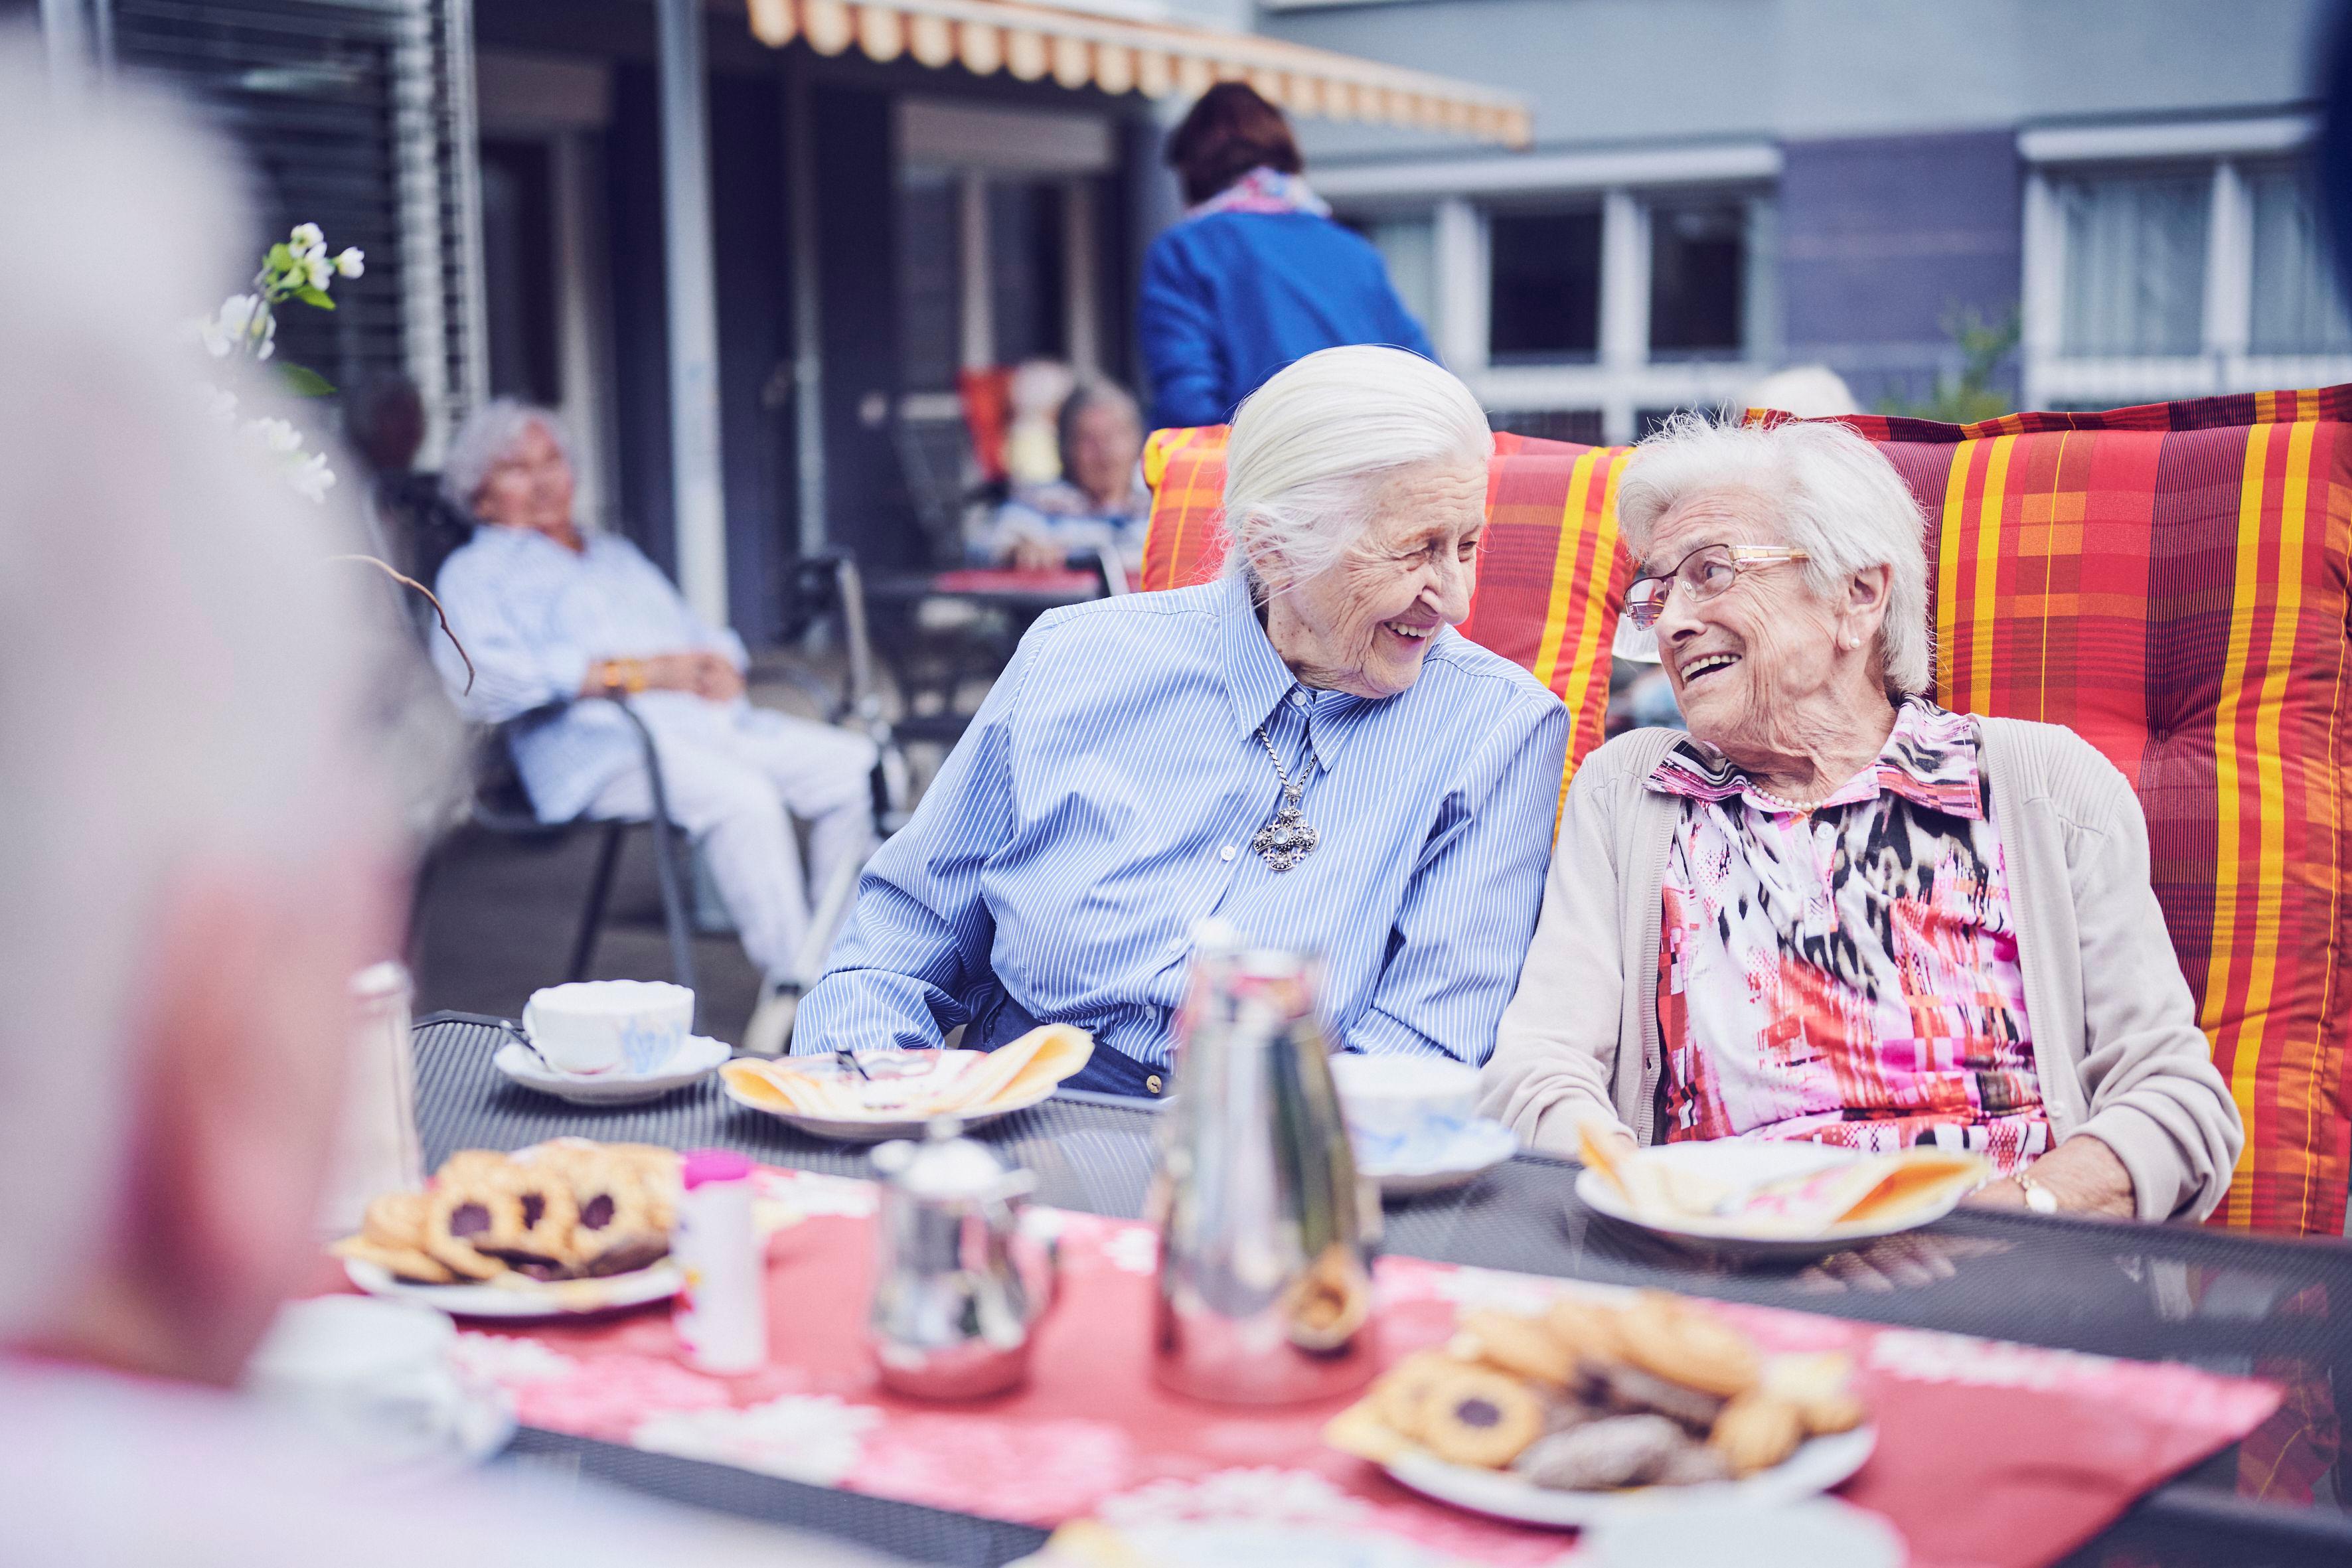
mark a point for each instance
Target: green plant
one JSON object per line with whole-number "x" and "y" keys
{"x": 1971, "y": 396}
{"x": 246, "y": 327}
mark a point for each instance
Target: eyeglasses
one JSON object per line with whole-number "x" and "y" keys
{"x": 1704, "y": 573}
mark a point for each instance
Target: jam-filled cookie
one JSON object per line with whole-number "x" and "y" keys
{"x": 1477, "y": 1416}
{"x": 619, "y": 1227}
{"x": 484, "y": 1221}
{"x": 1404, "y": 1387}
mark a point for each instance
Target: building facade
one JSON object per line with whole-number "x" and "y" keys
{"x": 753, "y": 249}
{"x": 1717, "y": 188}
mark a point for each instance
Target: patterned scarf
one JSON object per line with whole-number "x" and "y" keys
{"x": 1264, "y": 190}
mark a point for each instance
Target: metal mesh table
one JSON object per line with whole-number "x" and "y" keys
{"x": 2225, "y": 1301}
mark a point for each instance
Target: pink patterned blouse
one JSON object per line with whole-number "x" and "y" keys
{"x": 1847, "y": 974}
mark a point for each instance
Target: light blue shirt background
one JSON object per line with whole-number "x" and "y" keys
{"x": 1104, "y": 800}
{"x": 533, "y": 617}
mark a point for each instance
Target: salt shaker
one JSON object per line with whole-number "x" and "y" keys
{"x": 722, "y": 1312}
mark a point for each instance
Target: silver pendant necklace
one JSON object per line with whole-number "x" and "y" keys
{"x": 1290, "y": 837}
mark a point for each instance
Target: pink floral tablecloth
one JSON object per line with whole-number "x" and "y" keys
{"x": 1990, "y": 1455}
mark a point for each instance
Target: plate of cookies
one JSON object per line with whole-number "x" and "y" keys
{"x": 1595, "y": 1406}
{"x": 568, "y": 1225}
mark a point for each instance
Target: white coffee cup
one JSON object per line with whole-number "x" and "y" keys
{"x": 605, "y": 1025}
{"x": 370, "y": 1374}
{"x": 1400, "y": 1106}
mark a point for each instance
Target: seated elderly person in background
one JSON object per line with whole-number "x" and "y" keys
{"x": 1834, "y": 910}
{"x": 1099, "y": 506}
{"x": 551, "y": 613}
{"x": 1306, "y": 749}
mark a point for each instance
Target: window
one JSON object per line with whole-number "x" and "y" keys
{"x": 518, "y": 258}
{"x": 1698, "y": 279}
{"x": 1544, "y": 275}
{"x": 2296, "y": 308}
{"x": 1580, "y": 426}
{"x": 2135, "y": 281}
{"x": 1409, "y": 245}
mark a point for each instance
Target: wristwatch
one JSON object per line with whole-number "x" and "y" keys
{"x": 2038, "y": 1198}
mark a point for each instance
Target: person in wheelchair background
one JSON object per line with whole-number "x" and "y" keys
{"x": 552, "y": 614}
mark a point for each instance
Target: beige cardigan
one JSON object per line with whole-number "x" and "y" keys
{"x": 2116, "y": 1041}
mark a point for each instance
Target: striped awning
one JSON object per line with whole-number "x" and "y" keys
{"x": 1077, "y": 49}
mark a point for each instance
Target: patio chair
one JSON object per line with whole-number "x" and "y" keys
{"x": 2171, "y": 582}
{"x": 498, "y": 807}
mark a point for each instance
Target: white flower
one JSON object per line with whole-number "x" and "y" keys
{"x": 307, "y": 240}
{"x": 220, "y": 404}
{"x": 226, "y": 330}
{"x": 312, "y": 478}
{"x": 317, "y": 271}
{"x": 277, "y": 435}
{"x": 352, "y": 262}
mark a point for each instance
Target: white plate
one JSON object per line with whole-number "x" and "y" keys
{"x": 881, "y": 1128}
{"x": 1742, "y": 1162}
{"x": 698, "y": 1057}
{"x": 525, "y": 1298}
{"x": 1816, "y": 1467}
{"x": 1478, "y": 1148}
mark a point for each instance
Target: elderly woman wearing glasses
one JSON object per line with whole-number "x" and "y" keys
{"x": 1304, "y": 749}
{"x": 1833, "y": 911}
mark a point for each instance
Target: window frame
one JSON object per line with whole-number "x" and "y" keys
{"x": 2224, "y": 361}
{"x": 1623, "y": 378}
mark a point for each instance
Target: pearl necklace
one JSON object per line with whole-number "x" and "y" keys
{"x": 1799, "y": 807}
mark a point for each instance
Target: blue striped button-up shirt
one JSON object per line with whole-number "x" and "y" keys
{"x": 1104, "y": 800}
{"x": 533, "y": 616}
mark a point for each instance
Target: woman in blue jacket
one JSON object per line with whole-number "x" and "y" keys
{"x": 1256, "y": 275}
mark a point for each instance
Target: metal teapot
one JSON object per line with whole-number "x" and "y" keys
{"x": 1266, "y": 1233}
{"x": 960, "y": 1279}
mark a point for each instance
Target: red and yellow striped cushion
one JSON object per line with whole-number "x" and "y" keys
{"x": 1551, "y": 582}
{"x": 2172, "y": 582}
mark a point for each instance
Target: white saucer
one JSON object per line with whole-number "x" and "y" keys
{"x": 1477, "y": 1147}
{"x": 698, "y": 1057}
{"x": 1743, "y": 1161}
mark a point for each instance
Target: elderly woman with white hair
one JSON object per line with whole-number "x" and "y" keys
{"x": 551, "y": 613}
{"x": 1304, "y": 749}
{"x": 1833, "y": 911}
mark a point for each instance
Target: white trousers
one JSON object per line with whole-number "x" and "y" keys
{"x": 735, "y": 786}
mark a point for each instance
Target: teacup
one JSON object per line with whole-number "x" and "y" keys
{"x": 370, "y": 1374}
{"x": 602, "y": 1026}
{"x": 1400, "y": 1109}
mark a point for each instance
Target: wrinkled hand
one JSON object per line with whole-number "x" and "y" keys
{"x": 2083, "y": 1174}
{"x": 717, "y": 678}
{"x": 700, "y": 671}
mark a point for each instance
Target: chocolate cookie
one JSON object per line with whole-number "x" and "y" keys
{"x": 1620, "y": 1451}
{"x": 1628, "y": 1390}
